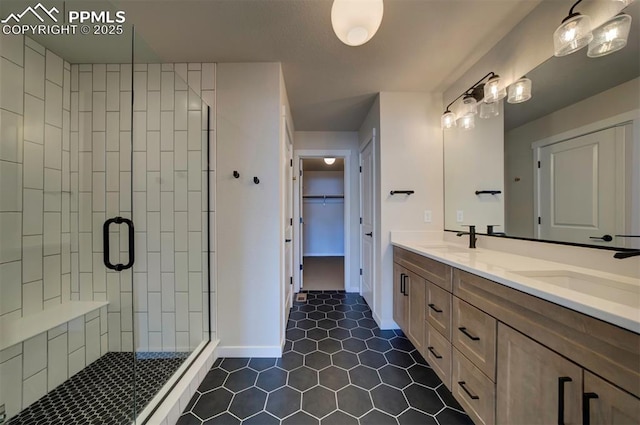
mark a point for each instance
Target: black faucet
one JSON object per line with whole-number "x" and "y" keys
{"x": 626, "y": 254}
{"x": 472, "y": 236}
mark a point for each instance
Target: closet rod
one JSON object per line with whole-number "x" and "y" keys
{"x": 323, "y": 196}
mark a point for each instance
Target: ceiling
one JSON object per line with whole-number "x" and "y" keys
{"x": 422, "y": 45}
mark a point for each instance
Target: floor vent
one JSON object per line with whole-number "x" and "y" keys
{"x": 301, "y": 298}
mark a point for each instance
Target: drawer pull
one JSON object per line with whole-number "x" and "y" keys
{"x": 469, "y": 393}
{"x": 404, "y": 281}
{"x": 402, "y": 276}
{"x": 473, "y": 338}
{"x": 435, "y": 354}
{"x": 434, "y": 308}
{"x": 586, "y": 397}
{"x": 561, "y": 381}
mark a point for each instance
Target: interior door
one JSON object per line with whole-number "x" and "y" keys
{"x": 288, "y": 217}
{"x": 301, "y": 226}
{"x": 581, "y": 188}
{"x": 367, "y": 238}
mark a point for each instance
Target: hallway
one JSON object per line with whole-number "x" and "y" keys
{"x": 323, "y": 273}
{"x": 338, "y": 368}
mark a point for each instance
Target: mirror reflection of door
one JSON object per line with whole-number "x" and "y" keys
{"x": 581, "y": 195}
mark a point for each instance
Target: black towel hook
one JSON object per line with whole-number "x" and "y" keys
{"x": 256, "y": 180}
{"x": 236, "y": 174}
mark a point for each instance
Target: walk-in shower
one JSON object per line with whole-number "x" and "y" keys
{"x": 104, "y": 219}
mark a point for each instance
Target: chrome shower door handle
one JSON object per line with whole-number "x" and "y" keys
{"x": 106, "y": 248}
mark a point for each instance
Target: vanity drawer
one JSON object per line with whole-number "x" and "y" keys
{"x": 439, "y": 309}
{"x": 474, "y": 334}
{"x": 438, "y": 354}
{"x": 473, "y": 390}
{"x": 434, "y": 271}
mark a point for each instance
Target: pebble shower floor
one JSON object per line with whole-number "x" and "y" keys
{"x": 338, "y": 368}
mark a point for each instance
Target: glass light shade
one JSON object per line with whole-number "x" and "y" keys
{"x": 489, "y": 110}
{"x": 467, "y": 121}
{"x": 492, "y": 90}
{"x": 610, "y": 36}
{"x": 356, "y": 21}
{"x": 329, "y": 161}
{"x": 572, "y": 35}
{"x": 448, "y": 120}
{"x": 520, "y": 91}
{"x": 469, "y": 106}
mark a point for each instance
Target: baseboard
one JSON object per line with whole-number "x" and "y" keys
{"x": 250, "y": 351}
{"x": 176, "y": 401}
{"x": 384, "y": 324}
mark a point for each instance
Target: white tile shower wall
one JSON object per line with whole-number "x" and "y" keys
{"x": 165, "y": 290}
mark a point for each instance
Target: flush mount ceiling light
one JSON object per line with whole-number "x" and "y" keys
{"x": 520, "y": 91}
{"x": 356, "y": 21}
{"x": 610, "y": 36}
{"x": 573, "y": 33}
{"x": 329, "y": 161}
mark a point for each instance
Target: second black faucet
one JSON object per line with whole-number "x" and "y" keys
{"x": 472, "y": 235}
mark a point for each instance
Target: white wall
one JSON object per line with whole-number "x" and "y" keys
{"x": 323, "y": 218}
{"x": 248, "y": 215}
{"x": 520, "y": 194}
{"x": 342, "y": 141}
{"x": 410, "y": 158}
{"x": 473, "y": 161}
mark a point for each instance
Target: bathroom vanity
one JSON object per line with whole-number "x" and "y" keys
{"x": 519, "y": 340}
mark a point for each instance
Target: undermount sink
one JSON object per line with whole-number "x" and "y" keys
{"x": 608, "y": 289}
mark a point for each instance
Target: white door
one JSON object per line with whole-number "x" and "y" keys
{"x": 288, "y": 216}
{"x": 301, "y": 226}
{"x": 581, "y": 192}
{"x": 367, "y": 237}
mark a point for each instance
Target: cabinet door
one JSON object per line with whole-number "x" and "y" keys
{"x": 417, "y": 290}
{"x": 399, "y": 298}
{"x": 474, "y": 334}
{"x": 535, "y": 385}
{"x": 439, "y": 309}
{"x": 612, "y": 405}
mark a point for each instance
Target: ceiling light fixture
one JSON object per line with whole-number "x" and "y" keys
{"x": 520, "y": 91}
{"x": 329, "y": 161}
{"x": 573, "y": 33}
{"x": 356, "y": 21}
{"x": 610, "y": 36}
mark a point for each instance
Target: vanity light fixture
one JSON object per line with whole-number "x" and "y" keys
{"x": 448, "y": 119}
{"x": 467, "y": 121}
{"x": 493, "y": 91}
{"x": 356, "y": 21}
{"x": 573, "y": 34}
{"x": 489, "y": 110}
{"x": 610, "y": 36}
{"x": 329, "y": 161}
{"x": 520, "y": 91}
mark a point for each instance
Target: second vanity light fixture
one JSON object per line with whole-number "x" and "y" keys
{"x": 575, "y": 32}
{"x": 356, "y": 21}
{"x": 487, "y": 93}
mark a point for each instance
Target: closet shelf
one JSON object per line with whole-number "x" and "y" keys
{"x": 323, "y": 196}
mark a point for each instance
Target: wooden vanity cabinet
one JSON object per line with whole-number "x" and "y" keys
{"x": 416, "y": 288}
{"x": 400, "y": 310}
{"x": 604, "y": 403}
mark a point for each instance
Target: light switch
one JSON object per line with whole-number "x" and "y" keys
{"x": 427, "y": 216}
{"x": 459, "y": 216}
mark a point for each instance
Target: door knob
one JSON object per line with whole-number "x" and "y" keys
{"x": 605, "y": 238}
{"x": 369, "y": 234}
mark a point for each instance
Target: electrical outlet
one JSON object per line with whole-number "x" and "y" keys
{"x": 427, "y": 216}
{"x": 459, "y": 216}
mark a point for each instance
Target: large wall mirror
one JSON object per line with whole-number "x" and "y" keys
{"x": 566, "y": 163}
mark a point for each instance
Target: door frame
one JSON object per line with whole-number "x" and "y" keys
{"x": 631, "y": 161}
{"x": 297, "y": 198}
{"x": 369, "y": 139}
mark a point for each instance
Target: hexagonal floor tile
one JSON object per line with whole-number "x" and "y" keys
{"x": 388, "y": 399}
{"x": 394, "y": 376}
{"x": 295, "y": 334}
{"x": 367, "y": 323}
{"x": 399, "y": 358}
{"x": 214, "y": 379}
{"x": 329, "y": 345}
{"x": 378, "y": 344}
{"x": 212, "y": 403}
{"x": 317, "y": 334}
{"x": 355, "y": 315}
{"x": 290, "y": 361}
{"x": 305, "y": 346}
{"x": 323, "y": 296}
{"x": 335, "y": 315}
{"x": 354, "y": 345}
{"x": 317, "y": 360}
{"x": 248, "y": 403}
{"x": 376, "y": 417}
{"x": 360, "y": 307}
{"x": 191, "y": 419}
{"x": 361, "y": 333}
{"x": 297, "y": 315}
{"x": 424, "y": 375}
{"x": 325, "y": 308}
{"x": 224, "y": 419}
{"x": 283, "y": 402}
{"x": 271, "y": 379}
{"x": 342, "y": 307}
{"x": 260, "y": 364}
{"x": 315, "y": 302}
{"x": 447, "y": 397}
{"x": 332, "y": 302}
{"x": 303, "y": 378}
{"x": 347, "y": 324}
{"x": 319, "y": 402}
{"x": 386, "y": 334}
{"x": 354, "y": 401}
{"x": 262, "y": 418}
{"x": 306, "y": 324}
{"x": 418, "y": 358}
{"x": 301, "y": 418}
{"x": 241, "y": 379}
{"x": 345, "y": 359}
{"x": 339, "y": 418}
{"x": 423, "y": 399}
{"x": 364, "y": 377}
{"x": 372, "y": 359}
{"x": 327, "y": 324}
{"x": 403, "y": 344}
{"x": 232, "y": 364}
{"x": 413, "y": 417}
{"x": 449, "y": 416}
{"x": 339, "y": 333}
{"x": 316, "y": 315}
{"x": 334, "y": 378}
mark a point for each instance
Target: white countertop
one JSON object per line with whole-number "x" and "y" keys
{"x": 606, "y": 296}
